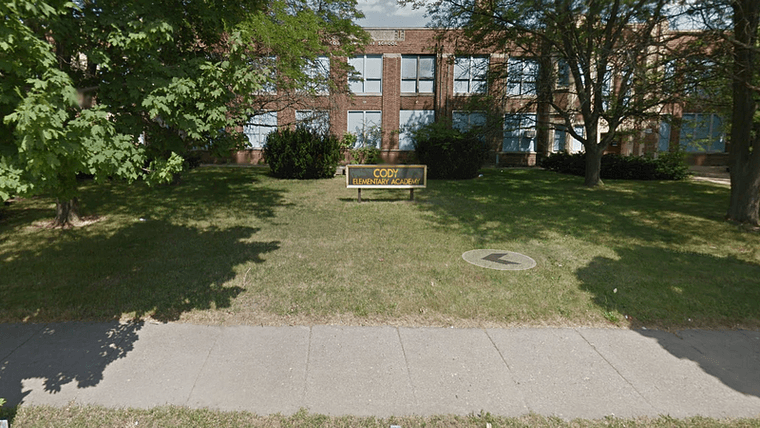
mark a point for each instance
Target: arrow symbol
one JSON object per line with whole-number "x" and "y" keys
{"x": 496, "y": 257}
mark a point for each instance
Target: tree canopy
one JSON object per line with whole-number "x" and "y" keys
{"x": 613, "y": 54}
{"x": 125, "y": 89}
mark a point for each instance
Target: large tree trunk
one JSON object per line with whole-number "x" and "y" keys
{"x": 593, "y": 167}
{"x": 744, "y": 159}
{"x": 66, "y": 213}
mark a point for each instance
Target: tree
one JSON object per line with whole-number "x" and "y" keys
{"x": 164, "y": 80}
{"x": 615, "y": 52}
{"x": 744, "y": 161}
{"x": 736, "y": 23}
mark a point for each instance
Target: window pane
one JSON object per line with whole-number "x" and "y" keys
{"x": 315, "y": 121}
{"x": 408, "y": 86}
{"x": 563, "y": 73}
{"x": 373, "y": 118}
{"x": 577, "y": 146}
{"x": 560, "y": 136}
{"x": 461, "y": 68}
{"x": 519, "y": 132}
{"x": 374, "y": 67}
{"x": 356, "y": 123}
{"x": 426, "y": 86}
{"x": 356, "y": 86}
{"x": 477, "y": 119}
{"x": 531, "y": 70}
{"x": 372, "y": 86}
{"x": 479, "y": 68}
{"x": 478, "y": 87}
{"x": 410, "y": 120}
{"x": 357, "y": 64}
{"x": 718, "y": 142}
{"x": 664, "y": 143}
{"x": 427, "y": 67}
{"x": 409, "y": 67}
{"x": 459, "y": 121}
{"x": 461, "y": 86}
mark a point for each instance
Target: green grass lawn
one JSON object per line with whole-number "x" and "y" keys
{"x": 235, "y": 246}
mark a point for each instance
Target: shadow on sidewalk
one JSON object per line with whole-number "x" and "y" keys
{"x": 150, "y": 269}
{"x": 59, "y": 354}
{"x": 683, "y": 291}
{"x": 732, "y": 357}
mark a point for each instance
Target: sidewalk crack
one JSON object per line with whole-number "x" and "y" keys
{"x": 42, "y": 328}
{"x": 616, "y": 370}
{"x": 498, "y": 350}
{"x": 306, "y": 372}
{"x": 408, "y": 370}
{"x": 203, "y": 367}
{"x": 514, "y": 379}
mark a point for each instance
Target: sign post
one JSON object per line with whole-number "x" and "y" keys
{"x": 386, "y": 177}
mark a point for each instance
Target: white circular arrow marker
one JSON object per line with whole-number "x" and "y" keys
{"x": 499, "y": 259}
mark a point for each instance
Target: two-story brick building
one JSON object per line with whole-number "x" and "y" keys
{"x": 407, "y": 77}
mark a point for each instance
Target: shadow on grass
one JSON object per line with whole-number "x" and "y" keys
{"x": 530, "y": 204}
{"x": 151, "y": 268}
{"x": 158, "y": 268}
{"x": 672, "y": 289}
{"x": 201, "y": 194}
{"x": 661, "y": 288}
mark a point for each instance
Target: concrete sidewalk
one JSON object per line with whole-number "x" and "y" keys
{"x": 383, "y": 371}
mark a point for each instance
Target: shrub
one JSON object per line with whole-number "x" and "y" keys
{"x": 448, "y": 153}
{"x": 302, "y": 154}
{"x": 668, "y": 166}
{"x": 565, "y": 163}
{"x": 672, "y": 165}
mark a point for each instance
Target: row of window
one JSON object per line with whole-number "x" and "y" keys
{"x": 699, "y": 132}
{"x": 417, "y": 74}
{"x": 519, "y": 134}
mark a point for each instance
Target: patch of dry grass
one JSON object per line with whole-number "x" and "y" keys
{"x": 93, "y": 416}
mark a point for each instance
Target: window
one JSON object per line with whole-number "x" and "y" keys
{"x": 470, "y": 75}
{"x": 411, "y": 120}
{"x": 417, "y": 74}
{"x": 607, "y": 92}
{"x": 576, "y": 146}
{"x": 369, "y": 74}
{"x": 316, "y": 121}
{"x": 519, "y": 133}
{"x": 563, "y": 73}
{"x": 522, "y": 75}
{"x": 366, "y": 126}
{"x": 560, "y": 139}
{"x": 467, "y": 120}
{"x": 664, "y": 141}
{"x": 702, "y": 132}
{"x": 318, "y": 74}
{"x": 265, "y": 66}
{"x": 258, "y": 127}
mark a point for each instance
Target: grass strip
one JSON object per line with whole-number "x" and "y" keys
{"x": 75, "y": 416}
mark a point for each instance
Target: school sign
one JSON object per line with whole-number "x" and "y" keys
{"x": 386, "y": 177}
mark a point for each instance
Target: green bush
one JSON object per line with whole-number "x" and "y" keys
{"x": 673, "y": 165}
{"x": 668, "y": 166}
{"x": 565, "y": 163}
{"x": 447, "y": 152}
{"x": 302, "y": 154}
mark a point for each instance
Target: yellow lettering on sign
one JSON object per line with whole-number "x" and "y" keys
{"x": 385, "y": 173}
